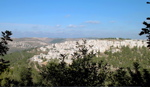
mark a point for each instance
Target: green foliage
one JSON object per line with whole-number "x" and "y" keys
{"x": 124, "y": 68}
{"x": 20, "y": 57}
{"x": 26, "y": 77}
{"x": 118, "y": 78}
{"x": 128, "y": 77}
{"x": 81, "y": 72}
{"x": 8, "y": 75}
{"x": 88, "y": 70}
{"x": 36, "y": 77}
{"x": 3, "y": 50}
{"x": 5, "y": 81}
{"x": 4, "y": 41}
{"x": 127, "y": 56}
{"x": 3, "y": 65}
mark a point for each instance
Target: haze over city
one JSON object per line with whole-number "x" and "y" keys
{"x": 74, "y": 18}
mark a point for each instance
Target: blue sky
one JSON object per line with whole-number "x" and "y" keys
{"x": 74, "y": 18}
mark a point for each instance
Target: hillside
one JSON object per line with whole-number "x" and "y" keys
{"x": 54, "y": 51}
{"x": 44, "y": 49}
{"x": 19, "y": 44}
{"x": 118, "y": 55}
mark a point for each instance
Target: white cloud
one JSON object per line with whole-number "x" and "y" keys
{"x": 58, "y": 25}
{"x": 93, "y": 22}
{"x": 71, "y": 26}
{"x": 75, "y": 26}
{"x": 27, "y": 27}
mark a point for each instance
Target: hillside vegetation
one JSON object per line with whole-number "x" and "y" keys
{"x": 128, "y": 67}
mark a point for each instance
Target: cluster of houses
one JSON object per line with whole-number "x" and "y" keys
{"x": 69, "y": 47}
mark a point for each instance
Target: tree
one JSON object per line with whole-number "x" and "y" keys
{"x": 146, "y": 30}
{"x": 3, "y": 50}
{"x": 82, "y": 71}
{"x": 26, "y": 77}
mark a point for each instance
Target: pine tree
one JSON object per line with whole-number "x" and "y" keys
{"x": 3, "y": 50}
{"x": 146, "y": 30}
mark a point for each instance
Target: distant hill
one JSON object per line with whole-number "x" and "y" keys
{"x": 19, "y": 44}
{"x": 26, "y": 43}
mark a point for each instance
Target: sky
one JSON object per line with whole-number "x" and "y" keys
{"x": 74, "y": 18}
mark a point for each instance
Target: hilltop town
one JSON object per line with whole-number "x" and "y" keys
{"x": 53, "y": 51}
